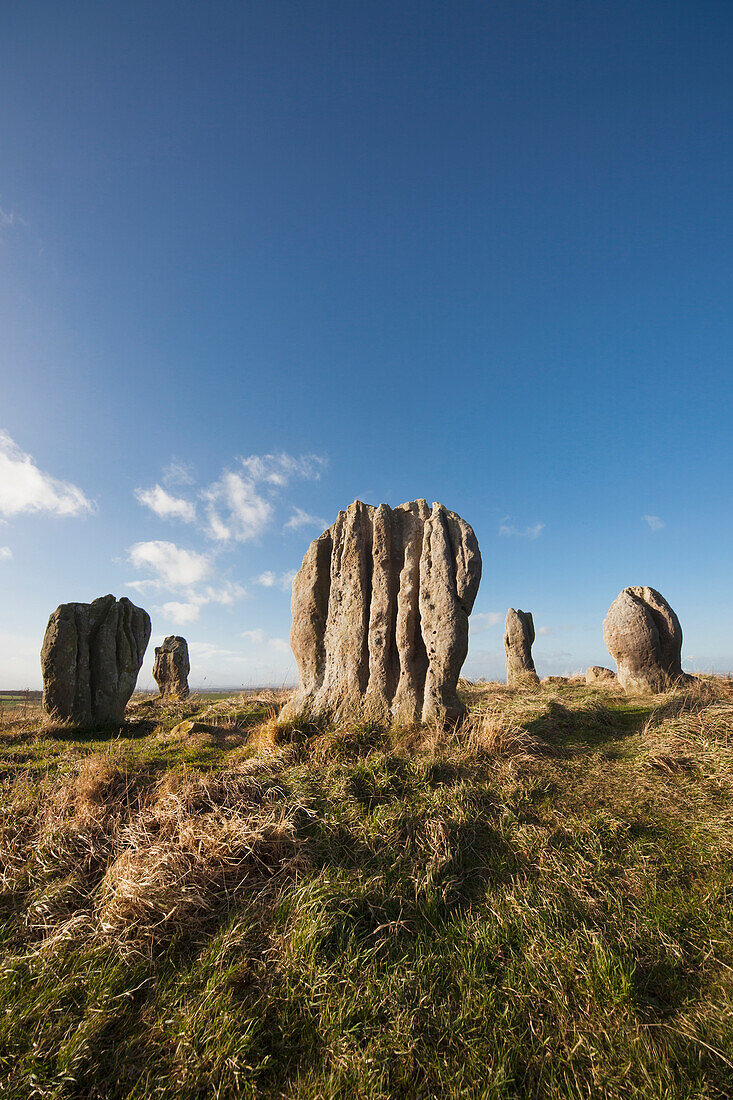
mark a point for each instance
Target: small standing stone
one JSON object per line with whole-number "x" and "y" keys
{"x": 91, "y": 657}
{"x": 518, "y": 639}
{"x": 171, "y": 667}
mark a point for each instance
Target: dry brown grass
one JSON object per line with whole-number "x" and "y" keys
{"x": 538, "y": 897}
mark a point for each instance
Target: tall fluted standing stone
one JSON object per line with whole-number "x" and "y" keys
{"x": 91, "y": 656}
{"x": 171, "y": 667}
{"x": 644, "y": 637}
{"x": 380, "y": 614}
{"x": 518, "y": 639}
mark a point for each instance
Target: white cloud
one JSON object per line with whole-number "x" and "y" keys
{"x": 483, "y": 621}
{"x": 181, "y": 613}
{"x": 174, "y": 566}
{"x": 301, "y": 518}
{"x": 238, "y": 506}
{"x": 531, "y": 532}
{"x": 143, "y": 586}
{"x": 654, "y": 522}
{"x": 279, "y": 469}
{"x": 25, "y": 488}
{"x": 260, "y": 638}
{"x": 544, "y": 631}
{"x": 165, "y": 505}
{"x": 236, "y": 510}
{"x": 178, "y": 473}
{"x": 268, "y": 579}
{"x": 209, "y": 651}
{"x": 9, "y": 218}
{"x": 5, "y": 553}
{"x": 227, "y": 594}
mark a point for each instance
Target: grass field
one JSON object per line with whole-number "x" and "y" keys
{"x": 537, "y": 904}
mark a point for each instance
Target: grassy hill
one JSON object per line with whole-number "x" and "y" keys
{"x": 537, "y": 904}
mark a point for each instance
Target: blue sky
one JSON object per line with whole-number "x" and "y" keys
{"x": 257, "y": 260}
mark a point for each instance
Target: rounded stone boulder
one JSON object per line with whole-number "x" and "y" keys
{"x": 644, "y": 637}
{"x": 597, "y": 674}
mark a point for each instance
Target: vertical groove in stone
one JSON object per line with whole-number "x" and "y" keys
{"x": 380, "y": 635}
{"x": 402, "y": 584}
{"x": 91, "y": 657}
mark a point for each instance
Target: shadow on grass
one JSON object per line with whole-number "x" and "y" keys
{"x": 83, "y": 735}
{"x": 588, "y": 728}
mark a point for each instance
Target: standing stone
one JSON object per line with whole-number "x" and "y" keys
{"x": 91, "y": 656}
{"x": 171, "y": 667}
{"x": 644, "y": 637}
{"x": 380, "y": 615}
{"x": 518, "y": 639}
{"x": 597, "y": 674}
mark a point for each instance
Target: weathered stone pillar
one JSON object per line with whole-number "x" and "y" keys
{"x": 518, "y": 639}
{"x": 171, "y": 667}
{"x": 380, "y": 614}
{"x": 91, "y": 657}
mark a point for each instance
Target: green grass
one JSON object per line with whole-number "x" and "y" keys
{"x": 538, "y": 904}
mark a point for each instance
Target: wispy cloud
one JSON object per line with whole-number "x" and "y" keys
{"x": 26, "y": 488}
{"x": 235, "y": 509}
{"x": 260, "y": 638}
{"x": 653, "y": 522}
{"x": 178, "y": 473}
{"x": 301, "y": 518}
{"x": 9, "y": 218}
{"x": 238, "y": 506}
{"x": 268, "y": 579}
{"x": 166, "y": 506}
{"x": 509, "y": 530}
{"x": 189, "y": 610}
{"x": 173, "y": 566}
{"x": 279, "y": 469}
{"x": 5, "y": 553}
{"x": 478, "y": 623}
{"x": 181, "y": 613}
{"x": 181, "y": 572}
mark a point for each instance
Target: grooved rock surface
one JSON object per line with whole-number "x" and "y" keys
{"x": 91, "y": 655}
{"x": 518, "y": 639}
{"x": 644, "y": 637}
{"x": 380, "y": 614}
{"x": 171, "y": 667}
{"x": 597, "y": 674}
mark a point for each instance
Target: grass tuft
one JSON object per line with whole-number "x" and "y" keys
{"x": 533, "y": 903}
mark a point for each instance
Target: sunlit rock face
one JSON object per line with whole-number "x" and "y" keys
{"x": 380, "y": 615}
{"x": 91, "y": 657}
{"x": 518, "y": 639}
{"x": 171, "y": 667}
{"x": 597, "y": 674}
{"x": 644, "y": 637}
